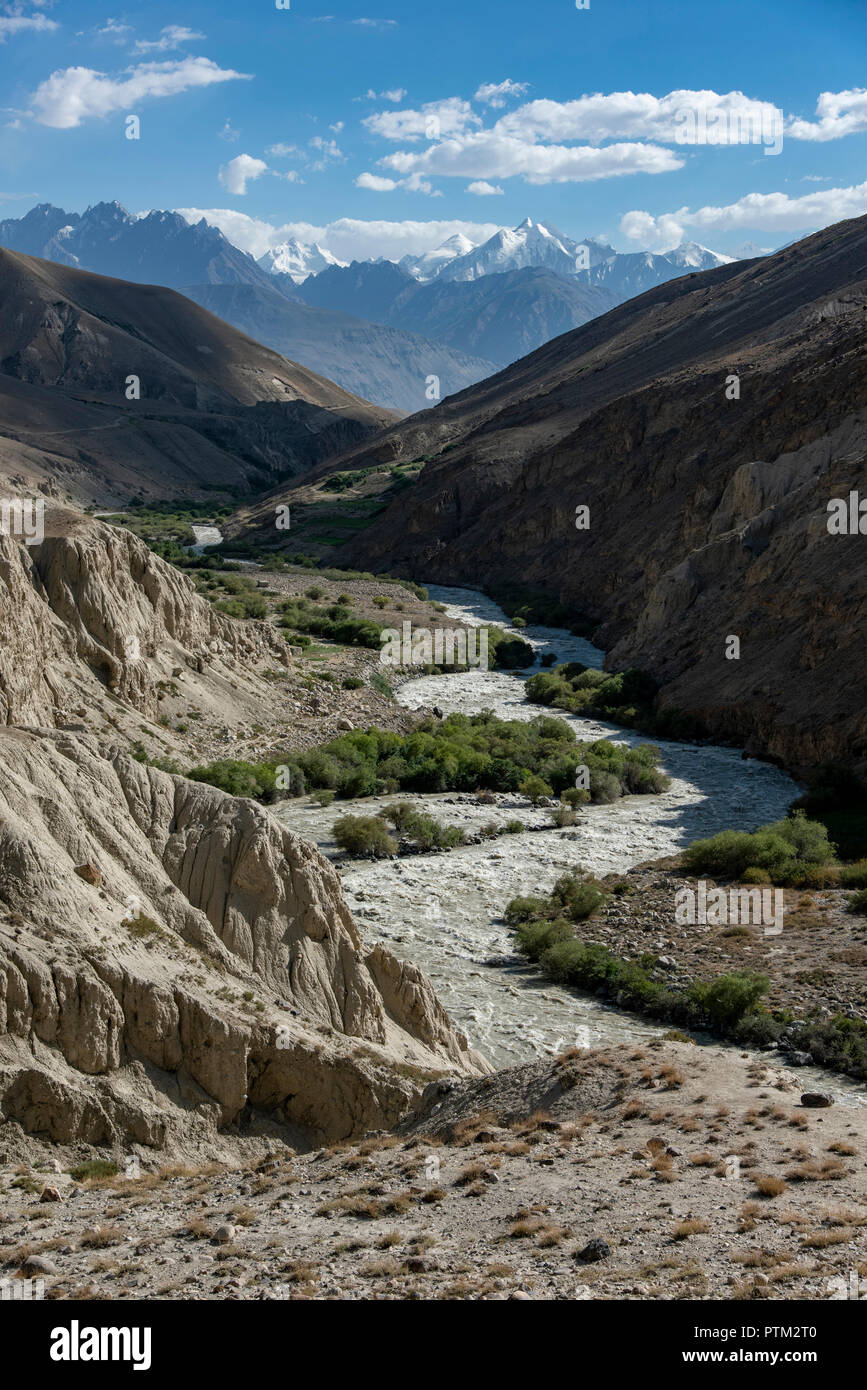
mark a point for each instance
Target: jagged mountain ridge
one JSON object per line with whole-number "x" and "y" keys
{"x": 160, "y": 248}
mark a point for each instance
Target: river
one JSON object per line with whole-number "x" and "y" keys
{"x": 444, "y": 911}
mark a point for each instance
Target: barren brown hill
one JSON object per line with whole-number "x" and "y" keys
{"x": 214, "y": 407}
{"x": 708, "y": 504}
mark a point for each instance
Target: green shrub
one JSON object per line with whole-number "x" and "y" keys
{"x": 858, "y": 903}
{"x": 364, "y": 836}
{"x": 523, "y": 909}
{"x": 535, "y": 788}
{"x": 854, "y": 875}
{"x": 238, "y": 778}
{"x": 534, "y": 938}
{"x": 754, "y": 874}
{"x": 421, "y": 829}
{"x": 725, "y": 1000}
{"x": 789, "y": 851}
{"x": 577, "y": 895}
{"x": 94, "y": 1168}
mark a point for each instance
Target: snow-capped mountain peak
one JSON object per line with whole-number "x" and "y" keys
{"x": 297, "y": 259}
{"x": 697, "y": 257}
{"x": 529, "y": 244}
{"x": 427, "y": 265}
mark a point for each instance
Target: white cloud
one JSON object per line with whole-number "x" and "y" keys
{"x": 375, "y": 23}
{"x": 770, "y": 212}
{"x": 684, "y": 117}
{"x": 240, "y": 171}
{"x": 11, "y": 24}
{"x": 652, "y": 233}
{"x": 375, "y": 183}
{"x": 487, "y": 154}
{"x": 336, "y": 127}
{"x": 172, "y": 36}
{"x": 72, "y": 95}
{"x": 413, "y": 184}
{"x": 228, "y": 132}
{"x": 433, "y": 121}
{"x": 347, "y": 238}
{"x": 395, "y": 94}
{"x": 113, "y": 29}
{"x": 328, "y": 152}
{"x": 495, "y": 93}
{"x": 483, "y": 189}
{"x": 839, "y": 113}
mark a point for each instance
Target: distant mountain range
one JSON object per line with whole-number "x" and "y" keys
{"x": 500, "y": 316}
{"x": 381, "y": 330}
{"x": 504, "y": 298}
{"x": 161, "y": 248}
{"x": 384, "y": 364}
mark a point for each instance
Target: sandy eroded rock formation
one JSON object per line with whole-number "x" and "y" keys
{"x": 173, "y": 961}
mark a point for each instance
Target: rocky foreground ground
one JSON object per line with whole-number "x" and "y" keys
{"x": 671, "y": 1171}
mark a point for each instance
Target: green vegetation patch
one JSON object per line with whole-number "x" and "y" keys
{"x": 459, "y": 753}
{"x": 795, "y": 852}
{"x": 627, "y": 698}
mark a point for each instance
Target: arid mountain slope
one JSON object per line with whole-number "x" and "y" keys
{"x": 383, "y": 363}
{"x": 708, "y": 506}
{"x": 213, "y": 406}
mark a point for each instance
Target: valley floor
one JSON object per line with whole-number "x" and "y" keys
{"x": 667, "y": 1171}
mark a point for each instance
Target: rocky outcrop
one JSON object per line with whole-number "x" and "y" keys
{"x": 92, "y": 609}
{"x": 205, "y": 975}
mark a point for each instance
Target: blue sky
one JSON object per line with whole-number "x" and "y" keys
{"x": 382, "y": 130}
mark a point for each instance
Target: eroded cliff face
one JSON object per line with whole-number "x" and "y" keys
{"x": 175, "y": 966}
{"x": 173, "y": 961}
{"x": 91, "y": 616}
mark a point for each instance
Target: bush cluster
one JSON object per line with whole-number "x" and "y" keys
{"x": 793, "y": 852}
{"x": 459, "y": 753}
{"x": 627, "y": 697}
{"x": 545, "y": 932}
